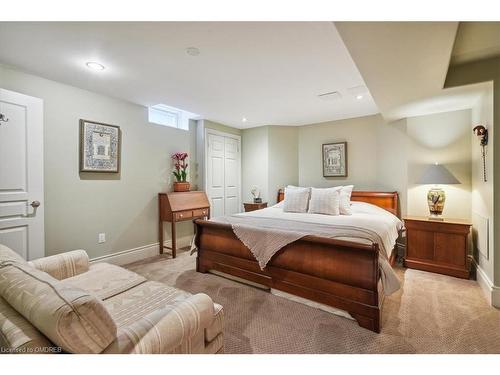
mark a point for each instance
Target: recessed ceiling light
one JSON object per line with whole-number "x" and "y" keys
{"x": 244, "y": 119}
{"x": 192, "y": 51}
{"x": 95, "y": 66}
{"x": 358, "y": 92}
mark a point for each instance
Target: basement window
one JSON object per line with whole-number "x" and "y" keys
{"x": 162, "y": 114}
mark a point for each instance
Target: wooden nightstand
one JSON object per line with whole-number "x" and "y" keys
{"x": 254, "y": 206}
{"x": 438, "y": 246}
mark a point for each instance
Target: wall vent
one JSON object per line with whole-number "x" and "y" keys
{"x": 333, "y": 95}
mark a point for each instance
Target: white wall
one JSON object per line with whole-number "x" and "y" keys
{"x": 361, "y": 136}
{"x": 482, "y": 192}
{"x": 283, "y": 159}
{"x": 392, "y": 156}
{"x": 487, "y": 70}
{"x": 443, "y": 138}
{"x": 254, "y": 163}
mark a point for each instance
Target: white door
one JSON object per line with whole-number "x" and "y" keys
{"x": 21, "y": 174}
{"x": 223, "y": 173}
{"x": 231, "y": 176}
{"x": 215, "y": 174}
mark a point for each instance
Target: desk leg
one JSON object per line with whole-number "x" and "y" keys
{"x": 174, "y": 245}
{"x": 160, "y": 236}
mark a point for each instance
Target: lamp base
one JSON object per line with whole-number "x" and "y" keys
{"x": 435, "y": 200}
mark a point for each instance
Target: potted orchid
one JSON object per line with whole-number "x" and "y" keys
{"x": 180, "y": 171}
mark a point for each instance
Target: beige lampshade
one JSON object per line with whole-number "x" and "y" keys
{"x": 437, "y": 174}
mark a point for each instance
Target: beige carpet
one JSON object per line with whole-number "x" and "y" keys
{"x": 431, "y": 314}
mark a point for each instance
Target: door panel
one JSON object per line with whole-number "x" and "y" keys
{"x": 450, "y": 249}
{"x": 217, "y": 207}
{"x": 420, "y": 244}
{"x": 14, "y": 145}
{"x": 215, "y": 171}
{"x": 21, "y": 174}
{"x": 232, "y": 175}
{"x": 223, "y": 174}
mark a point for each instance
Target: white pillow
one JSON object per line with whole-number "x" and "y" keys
{"x": 345, "y": 200}
{"x": 325, "y": 201}
{"x": 296, "y": 199}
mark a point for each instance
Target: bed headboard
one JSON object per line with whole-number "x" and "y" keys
{"x": 387, "y": 201}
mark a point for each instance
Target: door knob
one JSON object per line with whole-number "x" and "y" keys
{"x": 35, "y": 205}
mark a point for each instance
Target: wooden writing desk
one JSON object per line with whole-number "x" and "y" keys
{"x": 181, "y": 206}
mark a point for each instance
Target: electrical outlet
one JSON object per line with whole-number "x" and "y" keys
{"x": 101, "y": 238}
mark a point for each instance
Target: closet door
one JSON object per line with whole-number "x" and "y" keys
{"x": 223, "y": 170}
{"x": 215, "y": 174}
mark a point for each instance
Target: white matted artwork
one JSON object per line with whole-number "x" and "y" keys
{"x": 99, "y": 147}
{"x": 335, "y": 159}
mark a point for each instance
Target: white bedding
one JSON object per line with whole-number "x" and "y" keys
{"x": 365, "y": 215}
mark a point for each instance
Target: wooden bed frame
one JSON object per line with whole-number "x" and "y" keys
{"x": 338, "y": 273}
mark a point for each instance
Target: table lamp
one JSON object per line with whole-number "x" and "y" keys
{"x": 436, "y": 174}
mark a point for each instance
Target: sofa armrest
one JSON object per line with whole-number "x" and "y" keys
{"x": 62, "y": 266}
{"x": 165, "y": 329}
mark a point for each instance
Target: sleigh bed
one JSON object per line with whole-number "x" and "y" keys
{"x": 336, "y": 272}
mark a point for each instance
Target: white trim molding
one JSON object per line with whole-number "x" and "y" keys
{"x": 491, "y": 291}
{"x": 121, "y": 258}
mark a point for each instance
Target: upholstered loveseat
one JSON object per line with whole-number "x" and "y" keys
{"x": 62, "y": 303}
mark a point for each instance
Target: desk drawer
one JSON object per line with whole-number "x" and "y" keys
{"x": 183, "y": 215}
{"x": 200, "y": 213}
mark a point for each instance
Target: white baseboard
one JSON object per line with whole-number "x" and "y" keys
{"x": 491, "y": 291}
{"x": 121, "y": 258}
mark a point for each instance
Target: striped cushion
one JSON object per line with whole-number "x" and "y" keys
{"x": 62, "y": 266}
{"x": 296, "y": 199}
{"x": 325, "y": 201}
{"x": 165, "y": 327}
{"x": 71, "y": 318}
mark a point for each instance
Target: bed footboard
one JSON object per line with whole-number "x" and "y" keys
{"x": 337, "y": 273}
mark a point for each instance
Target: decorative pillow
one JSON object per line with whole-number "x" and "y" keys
{"x": 345, "y": 200}
{"x": 325, "y": 201}
{"x": 296, "y": 199}
{"x": 70, "y": 317}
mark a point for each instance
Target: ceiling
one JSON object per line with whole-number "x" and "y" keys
{"x": 403, "y": 63}
{"x": 446, "y": 100}
{"x": 269, "y": 73}
{"x": 476, "y": 41}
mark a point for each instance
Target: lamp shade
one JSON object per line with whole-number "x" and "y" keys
{"x": 437, "y": 174}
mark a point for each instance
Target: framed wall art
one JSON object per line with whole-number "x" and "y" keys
{"x": 335, "y": 159}
{"x": 99, "y": 147}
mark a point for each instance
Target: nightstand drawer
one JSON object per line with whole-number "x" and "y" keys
{"x": 183, "y": 215}
{"x": 200, "y": 213}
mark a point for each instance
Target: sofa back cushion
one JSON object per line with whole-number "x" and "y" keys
{"x": 71, "y": 318}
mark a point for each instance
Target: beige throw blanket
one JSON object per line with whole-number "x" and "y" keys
{"x": 266, "y": 236}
